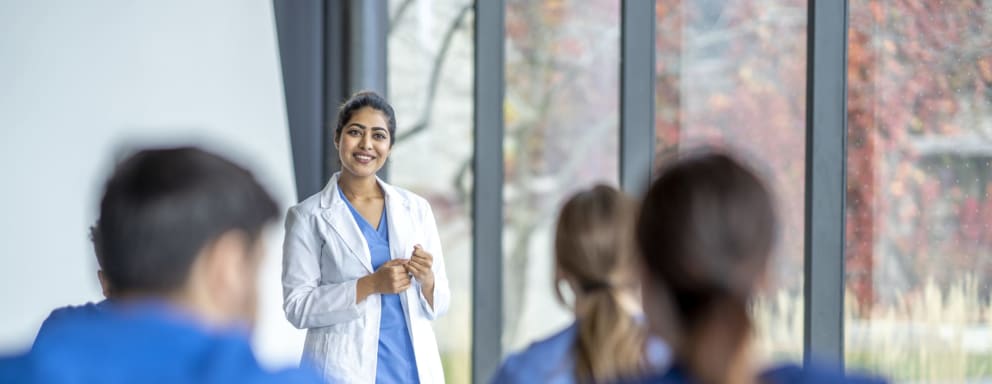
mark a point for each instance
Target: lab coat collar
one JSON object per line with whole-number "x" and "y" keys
{"x": 329, "y": 195}
{"x": 336, "y": 214}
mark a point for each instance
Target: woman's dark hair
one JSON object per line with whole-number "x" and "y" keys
{"x": 706, "y": 231}
{"x": 162, "y": 206}
{"x": 361, "y": 100}
{"x": 594, "y": 254}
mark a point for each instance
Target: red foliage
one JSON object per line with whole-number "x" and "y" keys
{"x": 913, "y": 68}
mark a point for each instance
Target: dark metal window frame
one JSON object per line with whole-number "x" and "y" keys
{"x": 637, "y": 83}
{"x": 826, "y": 181}
{"x": 487, "y": 190}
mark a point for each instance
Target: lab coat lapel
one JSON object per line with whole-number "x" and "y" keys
{"x": 400, "y": 223}
{"x": 339, "y": 217}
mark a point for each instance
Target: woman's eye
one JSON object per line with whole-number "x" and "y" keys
{"x": 379, "y": 136}
{"x": 354, "y": 132}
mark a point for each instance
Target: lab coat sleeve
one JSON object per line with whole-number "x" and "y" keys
{"x": 442, "y": 295}
{"x": 307, "y": 303}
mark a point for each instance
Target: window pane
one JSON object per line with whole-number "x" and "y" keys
{"x": 433, "y": 150}
{"x": 562, "y": 73}
{"x": 732, "y": 73}
{"x": 919, "y": 241}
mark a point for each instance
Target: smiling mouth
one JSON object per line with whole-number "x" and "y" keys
{"x": 364, "y": 159}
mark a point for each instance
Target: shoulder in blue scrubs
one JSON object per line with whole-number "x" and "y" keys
{"x": 784, "y": 374}
{"x": 551, "y": 361}
{"x": 396, "y": 362}
{"x": 139, "y": 342}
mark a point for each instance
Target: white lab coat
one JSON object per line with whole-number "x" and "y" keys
{"x": 325, "y": 254}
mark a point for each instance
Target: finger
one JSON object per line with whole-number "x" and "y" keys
{"x": 420, "y": 275}
{"x": 400, "y": 282}
{"x": 423, "y": 263}
{"x": 410, "y": 267}
{"x": 422, "y": 254}
{"x": 419, "y": 265}
{"x": 418, "y": 250}
{"x": 398, "y": 272}
{"x": 394, "y": 262}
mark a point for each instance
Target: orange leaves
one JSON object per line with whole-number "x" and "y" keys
{"x": 985, "y": 68}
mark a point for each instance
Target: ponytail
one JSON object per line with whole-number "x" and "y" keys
{"x": 594, "y": 254}
{"x": 609, "y": 342}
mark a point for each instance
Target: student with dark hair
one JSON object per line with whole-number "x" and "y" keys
{"x": 706, "y": 231}
{"x": 594, "y": 256}
{"x": 362, "y": 265}
{"x": 180, "y": 239}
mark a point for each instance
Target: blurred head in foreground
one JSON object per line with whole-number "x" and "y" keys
{"x": 705, "y": 232}
{"x": 184, "y": 225}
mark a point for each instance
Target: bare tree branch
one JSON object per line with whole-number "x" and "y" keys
{"x": 399, "y": 15}
{"x": 432, "y": 85}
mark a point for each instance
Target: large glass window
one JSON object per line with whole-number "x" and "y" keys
{"x": 732, "y": 73}
{"x": 919, "y": 210}
{"x": 430, "y": 87}
{"x": 561, "y": 134}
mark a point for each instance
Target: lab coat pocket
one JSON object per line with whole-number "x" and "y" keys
{"x": 342, "y": 357}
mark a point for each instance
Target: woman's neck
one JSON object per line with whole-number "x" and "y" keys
{"x": 718, "y": 347}
{"x": 355, "y": 187}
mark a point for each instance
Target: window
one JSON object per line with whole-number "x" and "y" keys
{"x": 430, "y": 86}
{"x": 561, "y": 135}
{"x": 919, "y": 175}
{"x": 732, "y": 74}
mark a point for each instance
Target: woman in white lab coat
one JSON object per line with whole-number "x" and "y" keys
{"x": 363, "y": 270}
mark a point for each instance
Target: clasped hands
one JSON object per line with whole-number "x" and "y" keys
{"x": 394, "y": 276}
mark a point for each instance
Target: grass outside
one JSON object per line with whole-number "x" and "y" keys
{"x": 937, "y": 335}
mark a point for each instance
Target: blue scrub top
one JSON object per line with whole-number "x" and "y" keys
{"x": 551, "y": 361}
{"x": 139, "y": 342}
{"x": 396, "y": 362}
{"x": 784, "y": 374}
{"x": 67, "y": 314}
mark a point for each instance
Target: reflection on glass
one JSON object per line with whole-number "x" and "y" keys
{"x": 430, "y": 87}
{"x": 731, "y": 73}
{"x": 562, "y": 73}
{"x": 919, "y": 211}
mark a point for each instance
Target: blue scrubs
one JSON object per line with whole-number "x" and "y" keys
{"x": 67, "y": 314}
{"x": 139, "y": 342}
{"x": 783, "y": 374}
{"x": 396, "y": 362}
{"x": 551, "y": 361}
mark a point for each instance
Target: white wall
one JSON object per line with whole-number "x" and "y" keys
{"x": 83, "y": 81}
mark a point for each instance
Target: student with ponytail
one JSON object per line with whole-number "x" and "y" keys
{"x": 593, "y": 256}
{"x": 705, "y": 234}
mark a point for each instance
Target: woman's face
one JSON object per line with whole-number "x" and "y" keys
{"x": 363, "y": 145}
